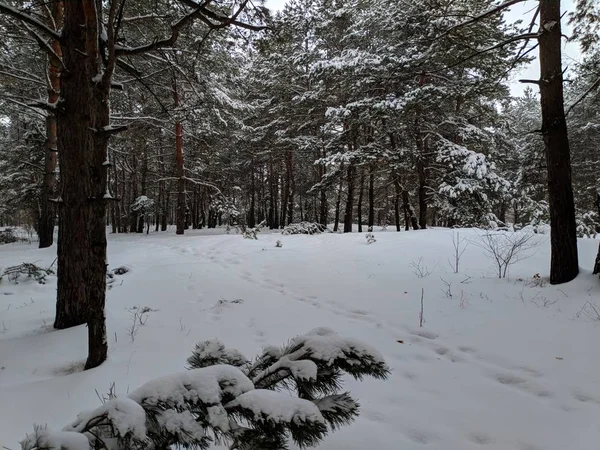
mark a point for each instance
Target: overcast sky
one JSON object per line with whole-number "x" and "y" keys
{"x": 523, "y": 11}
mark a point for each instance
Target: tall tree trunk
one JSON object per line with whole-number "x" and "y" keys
{"x": 564, "y": 264}
{"x": 143, "y": 189}
{"x": 179, "y": 165}
{"x": 421, "y": 170}
{"x": 291, "y": 187}
{"x": 338, "y": 202}
{"x": 47, "y": 210}
{"x": 323, "y": 194}
{"x": 597, "y": 263}
{"x": 82, "y": 150}
{"x": 422, "y": 163}
{"x": 272, "y": 215}
{"x": 360, "y": 200}
{"x": 371, "y": 221}
{"x": 251, "y": 217}
{"x": 133, "y": 217}
{"x": 349, "y": 199}
{"x": 398, "y": 189}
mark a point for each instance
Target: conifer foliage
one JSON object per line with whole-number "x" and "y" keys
{"x": 293, "y": 392}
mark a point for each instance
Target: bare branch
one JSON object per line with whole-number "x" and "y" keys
{"x": 485, "y": 14}
{"x": 582, "y": 97}
{"x": 17, "y": 14}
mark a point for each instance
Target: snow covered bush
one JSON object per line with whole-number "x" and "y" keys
{"x": 370, "y": 238}
{"x": 224, "y": 398}
{"x": 252, "y": 233}
{"x": 7, "y": 236}
{"x": 305, "y": 228}
{"x": 587, "y": 225}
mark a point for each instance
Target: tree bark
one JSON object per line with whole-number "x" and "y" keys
{"x": 371, "y": 221}
{"x": 179, "y": 165}
{"x": 564, "y": 264}
{"x": 47, "y": 210}
{"x": 82, "y": 149}
{"x": 338, "y": 203}
{"x": 597, "y": 263}
{"x": 349, "y": 199}
{"x": 292, "y": 188}
{"x": 360, "y": 200}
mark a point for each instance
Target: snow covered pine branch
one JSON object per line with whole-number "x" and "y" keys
{"x": 289, "y": 392}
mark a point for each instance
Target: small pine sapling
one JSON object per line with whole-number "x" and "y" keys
{"x": 224, "y": 398}
{"x": 278, "y": 244}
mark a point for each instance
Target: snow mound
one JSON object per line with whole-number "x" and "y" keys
{"x": 54, "y": 440}
{"x": 206, "y": 385}
{"x": 277, "y": 407}
{"x": 124, "y": 414}
{"x": 327, "y": 346}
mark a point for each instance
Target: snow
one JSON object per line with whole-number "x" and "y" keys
{"x": 326, "y": 345}
{"x": 500, "y": 364}
{"x": 55, "y": 440}
{"x": 183, "y": 423}
{"x": 206, "y": 385}
{"x": 278, "y": 407}
{"x": 126, "y": 416}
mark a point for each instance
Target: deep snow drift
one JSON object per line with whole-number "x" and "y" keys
{"x": 498, "y": 364}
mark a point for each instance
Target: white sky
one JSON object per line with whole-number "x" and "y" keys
{"x": 523, "y": 11}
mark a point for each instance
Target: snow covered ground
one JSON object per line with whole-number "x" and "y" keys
{"x": 499, "y": 364}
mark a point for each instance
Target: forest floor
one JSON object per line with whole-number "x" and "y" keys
{"x": 499, "y": 364}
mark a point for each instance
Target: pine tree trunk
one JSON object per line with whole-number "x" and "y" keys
{"x": 292, "y": 188}
{"x": 272, "y": 214}
{"x": 338, "y": 203}
{"x": 133, "y": 217}
{"x": 179, "y": 169}
{"x": 48, "y": 210}
{"x": 82, "y": 149}
{"x": 323, "y": 200}
{"x": 251, "y": 218}
{"x": 349, "y": 199}
{"x": 371, "y": 221}
{"x": 360, "y": 200}
{"x": 563, "y": 238}
{"x": 398, "y": 188}
{"x": 597, "y": 263}
{"x": 143, "y": 189}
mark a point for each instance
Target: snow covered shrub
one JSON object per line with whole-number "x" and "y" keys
{"x": 31, "y": 270}
{"x": 587, "y": 225}
{"x": 370, "y": 238}
{"x": 278, "y": 244}
{"x": 305, "y": 228}
{"x": 252, "y": 233}
{"x": 227, "y": 399}
{"x": 7, "y": 236}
